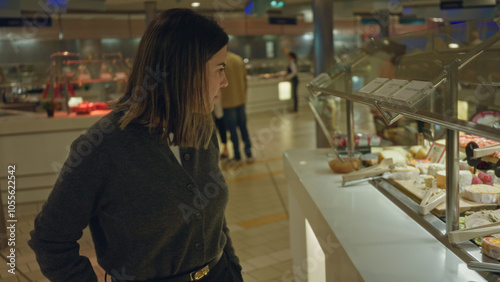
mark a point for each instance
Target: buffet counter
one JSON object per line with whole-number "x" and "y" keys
{"x": 356, "y": 233}
{"x": 263, "y": 94}
{"x": 38, "y": 146}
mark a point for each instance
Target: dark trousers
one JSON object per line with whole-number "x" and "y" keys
{"x": 221, "y": 126}
{"x": 236, "y": 118}
{"x": 224, "y": 271}
{"x": 295, "y": 83}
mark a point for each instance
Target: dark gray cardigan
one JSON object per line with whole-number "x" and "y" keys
{"x": 149, "y": 216}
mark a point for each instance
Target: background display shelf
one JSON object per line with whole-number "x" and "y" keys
{"x": 448, "y": 83}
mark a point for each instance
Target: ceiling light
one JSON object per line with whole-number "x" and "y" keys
{"x": 453, "y": 45}
{"x": 308, "y": 36}
{"x": 195, "y": 4}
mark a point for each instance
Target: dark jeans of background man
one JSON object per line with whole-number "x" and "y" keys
{"x": 295, "y": 84}
{"x": 221, "y": 126}
{"x": 236, "y": 117}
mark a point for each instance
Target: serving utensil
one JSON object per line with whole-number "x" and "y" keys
{"x": 483, "y": 266}
{"x": 354, "y": 182}
{"x": 432, "y": 198}
{"x": 474, "y": 154}
{"x": 378, "y": 169}
{"x": 473, "y": 232}
{"x": 485, "y": 151}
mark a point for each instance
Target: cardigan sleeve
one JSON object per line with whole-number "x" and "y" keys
{"x": 66, "y": 213}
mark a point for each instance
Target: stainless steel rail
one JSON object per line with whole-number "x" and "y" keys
{"x": 420, "y": 114}
{"x": 321, "y": 124}
{"x": 452, "y": 152}
{"x": 351, "y": 141}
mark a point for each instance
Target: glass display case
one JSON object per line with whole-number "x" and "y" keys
{"x": 440, "y": 78}
{"x": 21, "y": 84}
{"x": 426, "y": 56}
{"x": 26, "y": 86}
{"x": 91, "y": 80}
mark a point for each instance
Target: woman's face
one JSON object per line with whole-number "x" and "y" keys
{"x": 216, "y": 76}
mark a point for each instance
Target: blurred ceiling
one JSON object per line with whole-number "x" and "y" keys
{"x": 137, "y": 6}
{"x": 205, "y": 5}
{"x": 341, "y": 8}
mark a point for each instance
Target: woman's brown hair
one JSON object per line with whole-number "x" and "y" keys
{"x": 167, "y": 88}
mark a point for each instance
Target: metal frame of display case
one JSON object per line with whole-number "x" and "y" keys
{"x": 450, "y": 79}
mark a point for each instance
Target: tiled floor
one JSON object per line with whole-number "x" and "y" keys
{"x": 257, "y": 212}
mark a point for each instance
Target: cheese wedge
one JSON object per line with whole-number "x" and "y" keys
{"x": 434, "y": 168}
{"x": 425, "y": 179}
{"x": 482, "y": 193}
{"x": 422, "y": 153}
{"x": 463, "y": 165}
{"x": 490, "y": 246}
{"x": 441, "y": 179}
{"x": 464, "y": 179}
{"x": 396, "y": 156}
{"x": 494, "y": 178}
{"x": 404, "y": 173}
{"x": 414, "y": 149}
{"x": 402, "y": 151}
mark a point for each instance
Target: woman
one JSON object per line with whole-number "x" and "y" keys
{"x": 292, "y": 76}
{"x": 146, "y": 177}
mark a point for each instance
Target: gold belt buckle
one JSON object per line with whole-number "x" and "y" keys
{"x": 195, "y": 276}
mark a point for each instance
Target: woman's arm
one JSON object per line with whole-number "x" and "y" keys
{"x": 66, "y": 213}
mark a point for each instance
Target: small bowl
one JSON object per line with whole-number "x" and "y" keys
{"x": 349, "y": 161}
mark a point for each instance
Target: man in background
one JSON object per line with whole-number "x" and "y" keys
{"x": 233, "y": 101}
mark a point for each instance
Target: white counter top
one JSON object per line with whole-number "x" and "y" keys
{"x": 26, "y": 122}
{"x": 383, "y": 242}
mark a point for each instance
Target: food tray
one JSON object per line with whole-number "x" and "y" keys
{"x": 416, "y": 193}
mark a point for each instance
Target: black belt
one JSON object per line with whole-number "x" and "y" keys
{"x": 192, "y": 276}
